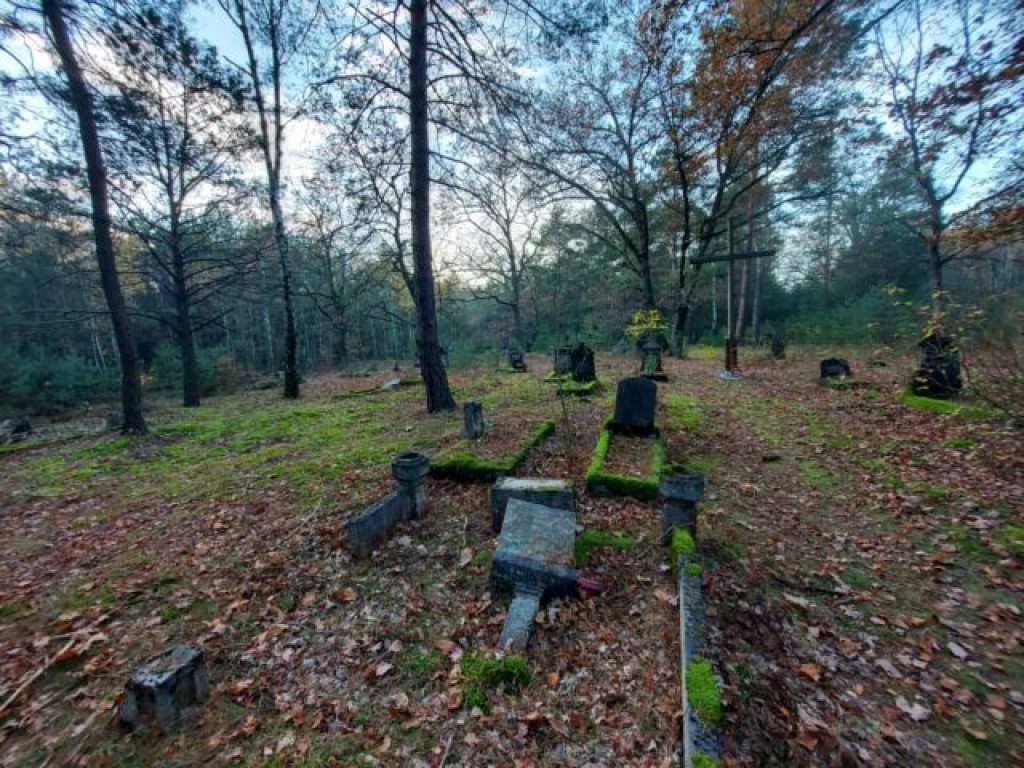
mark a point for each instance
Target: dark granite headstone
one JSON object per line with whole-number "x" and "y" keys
{"x": 939, "y": 374}
{"x": 473, "y": 420}
{"x": 635, "y": 402}
{"x": 835, "y": 368}
{"x": 516, "y": 361}
{"x": 778, "y": 346}
{"x": 581, "y": 363}
{"x": 563, "y": 360}
{"x": 159, "y": 693}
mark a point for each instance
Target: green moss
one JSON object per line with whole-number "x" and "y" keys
{"x": 600, "y": 483}
{"x": 702, "y": 691}
{"x": 700, "y": 760}
{"x": 959, "y": 442}
{"x": 695, "y": 570}
{"x": 465, "y": 466}
{"x": 578, "y": 389}
{"x": 1012, "y": 538}
{"x": 420, "y": 664}
{"x": 702, "y": 464}
{"x": 591, "y": 539}
{"x": 12, "y": 610}
{"x": 945, "y": 407}
{"x": 686, "y": 414}
{"x": 511, "y": 672}
{"x": 681, "y": 545}
{"x": 475, "y": 697}
{"x": 815, "y": 475}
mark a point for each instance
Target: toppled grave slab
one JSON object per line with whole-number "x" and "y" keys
{"x": 548, "y": 491}
{"x": 159, "y": 693}
{"x": 534, "y": 560}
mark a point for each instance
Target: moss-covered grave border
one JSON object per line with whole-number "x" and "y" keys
{"x": 601, "y": 483}
{"x": 468, "y": 468}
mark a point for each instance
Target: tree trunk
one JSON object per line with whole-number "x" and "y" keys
{"x": 435, "y": 378}
{"x": 186, "y": 339}
{"x": 81, "y": 100}
{"x": 755, "y": 318}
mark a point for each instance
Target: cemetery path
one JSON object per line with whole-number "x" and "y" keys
{"x": 865, "y": 609}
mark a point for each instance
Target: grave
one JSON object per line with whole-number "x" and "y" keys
{"x": 563, "y": 361}
{"x": 548, "y": 491}
{"x": 159, "y": 694}
{"x": 409, "y": 501}
{"x": 473, "y": 420}
{"x": 516, "y": 361}
{"x": 635, "y": 402}
{"x": 581, "y": 364}
{"x": 682, "y": 491}
{"x": 778, "y": 346}
{"x": 650, "y": 367}
{"x": 939, "y": 373}
{"x": 835, "y": 368}
{"x": 534, "y": 560}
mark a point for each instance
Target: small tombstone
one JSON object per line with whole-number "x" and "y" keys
{"x": 563, "y": 361}
{"x": 778, "y": 346}
{"x": 114, "y": 420}
{"x": 652, "y": 357}
{"x": 835, "y": 368}
{"x": 410, "y": 469}
{"x": 682, "y": 491}
{"x": 473, "y": 420}
{"x": 516, "y": 361}
{"x": 939, "y": 374}
{"x": 160, "y": 692}
{"x": 581, "y": 364}
{"x": 635, "y": 402}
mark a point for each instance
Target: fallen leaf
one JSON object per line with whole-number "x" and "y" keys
{"x": 957, "y": 650}
{"x": 812, "y": 671}
{"x": 916, "y": 711}
{"x": 466, "y": 557}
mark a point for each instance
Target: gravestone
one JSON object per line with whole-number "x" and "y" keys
{"x": 835, "y": 368}
{"x": 778, "y": 346}
{"x": 581, "y": 364}
{"x": 160, "y": 693}
{"x": 650, "y": 367}
{"x": 732, "y": 355}
{"x": 473, "y": 420}
{"x": 534, "y": 560}
{"x": 547, "y": 491}
{"x": 410, "y": 470}
{"x": 516, "y": 361}
{"x": 635, "y": 402}
{"x": 563, "y": 361}
{"x": 939, "y": 374}
{"x": 682, "y": 491}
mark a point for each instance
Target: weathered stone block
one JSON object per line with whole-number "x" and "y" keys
{"x": 535, "y": 550}
{"x": 635, "y": 402}
{"x": 547, "y": 491}
{"x": 682, "y": 492}
{"x": 515, "y": 635}
{"x": 371, "y": 528}
{"x": 410, "y": 470}
{"x": 159, "y": 693}
{"x": 473, "y": 420}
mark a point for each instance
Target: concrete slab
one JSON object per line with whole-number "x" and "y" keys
{"x": 535, "y": 551}
{"x": 547, "y": 491}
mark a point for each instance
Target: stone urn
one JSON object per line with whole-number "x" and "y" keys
{"x": 409, "y": 470}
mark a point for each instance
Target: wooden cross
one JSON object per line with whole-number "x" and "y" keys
{"x": 731, "y": 353}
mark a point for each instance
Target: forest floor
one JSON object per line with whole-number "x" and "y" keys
{"x": 863, "y": 582}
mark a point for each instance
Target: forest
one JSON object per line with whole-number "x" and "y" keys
{"x": 255, "y": 252}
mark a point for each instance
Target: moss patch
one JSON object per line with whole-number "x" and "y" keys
{"x": 510, "y": 673}
{"x": 590, "y": 540}
{"x": 702, "y": 691}
{"x": 945, "y": 407}
{"x": 700, "y": 760}
{"x": 681, "y": 545}
{"x": 467, "y": 467}
{"x": 601, "y": 483}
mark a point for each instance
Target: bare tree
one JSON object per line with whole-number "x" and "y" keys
{"x": 55, "y": 13}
